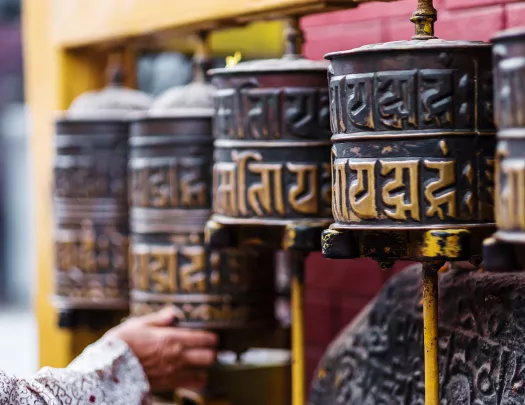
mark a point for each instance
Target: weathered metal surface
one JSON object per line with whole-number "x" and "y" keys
{"x": 170, "y": 197}
{"x": 90, "y": 201}
{"x": 509, "y": 75}
{"x": 413, "y": 135}
{"x": 272, "y": 148}
{"x": 379, "y": 358}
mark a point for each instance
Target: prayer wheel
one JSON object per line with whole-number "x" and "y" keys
{"x": 271, "y": 173}
{"x": 413, "y": 158}
{"x": 272, "y": 144}
{"x": 90, "y": 203}
{"x": 171, "y": 152}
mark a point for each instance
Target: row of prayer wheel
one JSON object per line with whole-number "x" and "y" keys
{"x": 409, "y": 171}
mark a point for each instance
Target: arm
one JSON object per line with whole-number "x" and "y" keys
{"x": 106, "y": 373}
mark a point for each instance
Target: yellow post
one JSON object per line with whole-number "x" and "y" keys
{"x": 53, "y": 78}
{"x": 298, "y": 368}
{"x": 431, "y": 342}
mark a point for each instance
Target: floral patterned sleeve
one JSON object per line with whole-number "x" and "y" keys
{"x": 106, "y": 373}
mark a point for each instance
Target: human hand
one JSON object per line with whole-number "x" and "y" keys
{"x": 171, "y": 357}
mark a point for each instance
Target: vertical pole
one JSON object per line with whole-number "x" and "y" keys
{"x": 298, "y": 369}
{"x": 430, "y": 321}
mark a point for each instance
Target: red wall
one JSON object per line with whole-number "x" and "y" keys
{"x": 337, "y": 290}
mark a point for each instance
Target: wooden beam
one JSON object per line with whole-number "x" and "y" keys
{"x": 77, "y": 23}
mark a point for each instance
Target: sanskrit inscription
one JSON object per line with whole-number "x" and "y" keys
{"x": 405, "y": 189}
{"x": 91, "y": 286}
{"x": 91, "y": 250}
{"x": 510, "y": 212}
{"x": 255, "y": 113}
{"x": 169, "y": 183}
{"x": 86, "y": 177}
{"x": 248, "y": 185}
{"x": 404, "y": 100}
{"x": 168, "y": 269}
{"x": 221, "y": 313}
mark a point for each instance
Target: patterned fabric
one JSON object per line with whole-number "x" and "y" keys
{"x": 106, "y": 373}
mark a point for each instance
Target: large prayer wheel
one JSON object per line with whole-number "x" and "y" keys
{"x": 90, "y": 201}
{"x": 413, "y": 135}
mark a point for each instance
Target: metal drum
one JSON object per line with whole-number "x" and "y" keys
{"x": 90, "y": 202}
{"x": 272, "y": 145}
{"x": 413, "y": 135}
{"x": 170, "y": 196}
{"x": 509, "y": 95}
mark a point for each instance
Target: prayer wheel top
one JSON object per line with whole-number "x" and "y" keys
{"x": 290, "y": 64}
{"x": 112, "y": 102}
{"x": 194, "y": 99}
{"x": 434, "y": 44}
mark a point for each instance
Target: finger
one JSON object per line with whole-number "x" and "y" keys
{"x": 199, "y": 357}
{"x": 192, "y": 338}
{"x": 163, "y": 317}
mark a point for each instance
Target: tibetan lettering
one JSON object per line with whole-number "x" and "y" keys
{"x": 249, "y": 186}
{"x": 403, "y": 197}
{"x": 402, "y": 100}
{"x": 168, "y": 183}
{"x": 272, "y": 113}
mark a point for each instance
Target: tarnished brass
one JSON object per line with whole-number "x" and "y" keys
{"x": 90, "y": 202}
{"x": 272, "y": 144}
{"x": 509, "y": 81}
{"x": 414, "y": 141}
